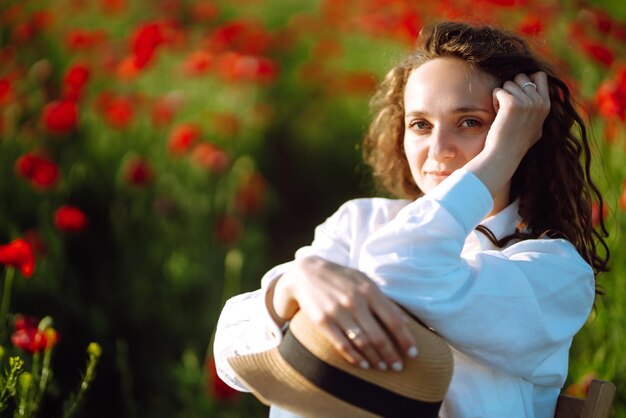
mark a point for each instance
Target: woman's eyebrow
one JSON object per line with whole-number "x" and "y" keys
{"x": 462, "y": 109}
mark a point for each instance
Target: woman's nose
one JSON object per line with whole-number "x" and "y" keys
{"x": 441, "y": 145}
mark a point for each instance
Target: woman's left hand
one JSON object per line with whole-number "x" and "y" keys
{"x": 521, "y": 105}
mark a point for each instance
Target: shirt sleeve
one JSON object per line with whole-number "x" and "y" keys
{"x": 245, "y": 326}
{"x": 516, "y": 310}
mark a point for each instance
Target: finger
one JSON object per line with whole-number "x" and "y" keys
{"x": 345, "y": 347}
{"x": 528, "y": 87}
{"x": 358, "y": 331}
{"x": 500, "y": 98}
{"x": 496, "y": 100}
{"x": 380, "y": 342}
{"x": 515, "y": 90}
{"x": 395, "y": 321}
{"x": 540, "y": 78}
{"x": 360, "y": 336}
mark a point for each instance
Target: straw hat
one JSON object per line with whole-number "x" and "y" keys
{"x": 307, "y": 376}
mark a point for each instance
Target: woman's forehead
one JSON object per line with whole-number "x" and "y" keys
{"x": 449, "y": 81}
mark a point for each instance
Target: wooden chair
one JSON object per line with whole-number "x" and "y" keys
{"x": 597, "y": 404}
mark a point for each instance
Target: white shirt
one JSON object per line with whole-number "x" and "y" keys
{"x": 510, "y": 314}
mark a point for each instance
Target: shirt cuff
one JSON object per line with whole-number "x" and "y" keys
{"x": 466, "y": 198}
{"x": 273, "y": 330}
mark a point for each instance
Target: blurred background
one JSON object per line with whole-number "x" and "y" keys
{"x": 158, "y": 156}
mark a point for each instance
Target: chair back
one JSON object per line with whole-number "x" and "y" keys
{"x": 597, "y": 403}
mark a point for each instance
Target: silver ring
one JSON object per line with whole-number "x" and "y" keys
{"x": 528, "y": 83}
{"x": 354, "y": 333}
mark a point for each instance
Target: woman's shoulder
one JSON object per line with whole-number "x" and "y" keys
{"x": 557, "y": 251}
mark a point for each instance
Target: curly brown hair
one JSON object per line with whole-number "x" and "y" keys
{"x": 552, "y": 183}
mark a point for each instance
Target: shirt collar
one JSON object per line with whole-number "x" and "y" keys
{"x": 504, "y": 222}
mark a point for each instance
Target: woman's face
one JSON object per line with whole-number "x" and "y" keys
{"x": 448, "y": 111}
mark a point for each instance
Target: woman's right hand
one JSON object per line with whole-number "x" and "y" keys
{"x": 365, "y": 326}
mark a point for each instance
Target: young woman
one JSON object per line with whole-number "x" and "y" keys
{"x": 492, "y": 244}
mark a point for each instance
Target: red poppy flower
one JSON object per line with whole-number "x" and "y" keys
{"x": 266, "y": 70}
{"x": 611, "y": 96}
{"x": 42, "y": 19}
{"x": 119, "y": 112}
{"x": 208, "y": 156}
{"x": 6, "y": 90}
{"x": 70, "y": 219}
{"x": 216, "y": 388}
{"x": 599, "y": 52}
{"x": 60, "y": 117}
{"x": 24, "y": 322}
{"x": 32, "y": 340}
{"x": 622, "y": 199}
{"x": 198, "y": 63}
{"x": 182, "y": 138}
{"x": 83, "y": 39}
{"x": 74, "y": 81}
{"x": 240, "y": 36}
{"x": 23, "y": 32}
{"x": 138, "y": 172}
{"x": 145, "y": 40}
{"x": 407, "y": 26}
{"x": 163, "y": 111}
{"x": 40, "y": 171}
{"x": 127, "y": 69}
{"x": 18, "y": 254}
{"x": 530, "y": 25}
{"x": 237, "y": 67}
{"x": 598, "y": 19}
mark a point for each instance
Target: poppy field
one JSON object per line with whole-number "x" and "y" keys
{"x": 158, "y": 156}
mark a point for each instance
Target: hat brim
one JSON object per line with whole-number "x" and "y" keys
{"x": 275, "y": 381}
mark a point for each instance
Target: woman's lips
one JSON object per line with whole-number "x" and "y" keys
{"x": 438, "y": 175}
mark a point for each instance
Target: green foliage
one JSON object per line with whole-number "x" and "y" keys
{"x": 274, "y": 97}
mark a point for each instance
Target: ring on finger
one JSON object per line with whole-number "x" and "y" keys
{"x": 353, "y": 333}
{"x": 528, "y": 84}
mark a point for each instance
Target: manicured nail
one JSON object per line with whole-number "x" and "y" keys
{"x": 382, "y": 365}
{"x": 397, "y": 366}
{"x": 412, "y": 352}
{"x": 364, "y": 365}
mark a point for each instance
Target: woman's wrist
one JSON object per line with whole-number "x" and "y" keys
{"x": 281, "y": 315}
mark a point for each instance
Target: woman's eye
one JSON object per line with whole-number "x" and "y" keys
{"x": 419, "y": 124}
{"x": 471, "y": 123}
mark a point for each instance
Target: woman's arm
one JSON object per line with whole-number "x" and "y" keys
{"x": 249, "y": 322}
{"x": 516, "y": 309}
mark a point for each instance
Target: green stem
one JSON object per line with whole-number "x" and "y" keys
{"x": 94, "y": 352}
{"x": 4, "y": 302}
{"x": 44, "y": 376}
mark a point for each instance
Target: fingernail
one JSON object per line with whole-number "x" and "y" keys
{"x": 397, "y": 366}
{"x": 364, "y": 365}
{"x": 412, "y": 351}
{"x": 382, "y": 365}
